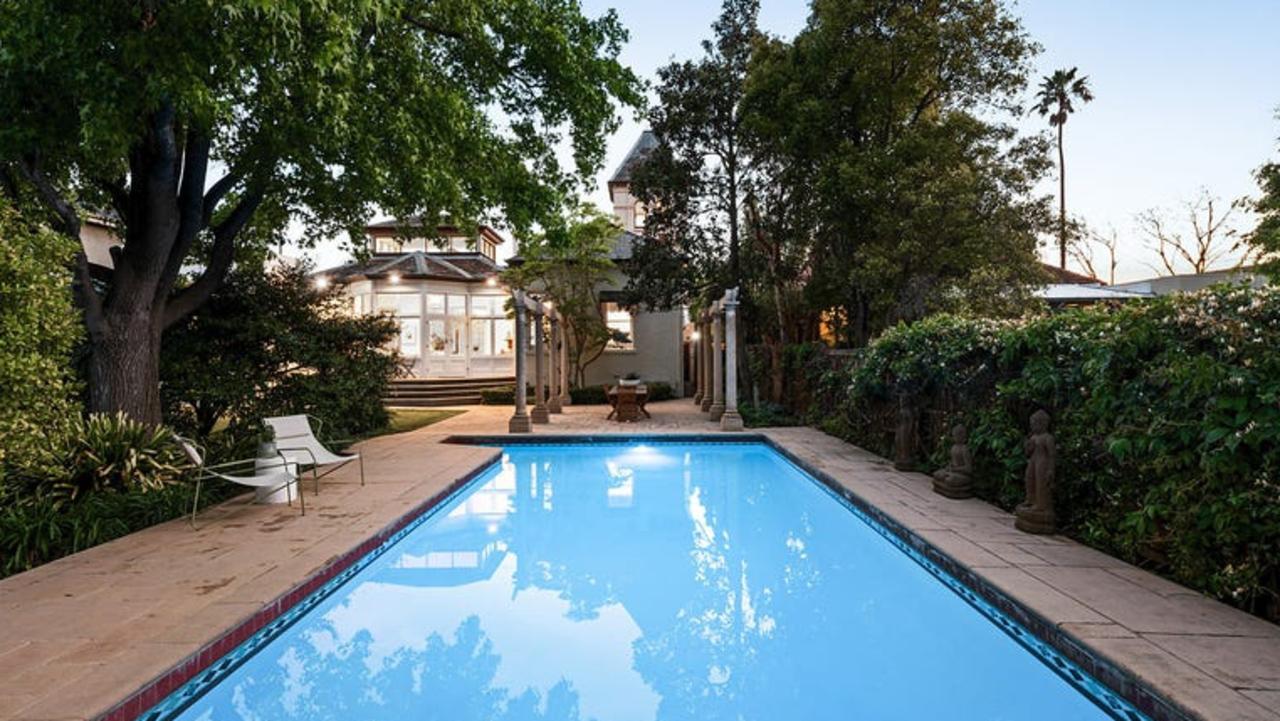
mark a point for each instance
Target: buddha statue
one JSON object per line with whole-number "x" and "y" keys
{"x": 956, "y": 480}
{"x": 1035, "y": 513}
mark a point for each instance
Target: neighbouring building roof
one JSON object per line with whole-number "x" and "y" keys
{"x": 1061, "y": 293}
{"x": 624, "y": 245}
{"x": 1191, "y": 282}
{"x": 465, "y": 267}
{"x": 1064, "y": 276}
{"x": 644, "y": 145}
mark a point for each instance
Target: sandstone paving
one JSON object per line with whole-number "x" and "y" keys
{"x": 79, "y": 635}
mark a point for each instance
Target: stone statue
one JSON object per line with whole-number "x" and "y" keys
{"x": 1035, "y": 514}
{"x": 956, "y": 480}
{"x": 904, "y": 436}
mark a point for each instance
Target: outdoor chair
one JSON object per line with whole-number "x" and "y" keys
{"x": 272, "y": 477}
{"x": 296, "y": 440}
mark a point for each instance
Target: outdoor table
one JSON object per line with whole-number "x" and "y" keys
{"x": 642, "y": 397}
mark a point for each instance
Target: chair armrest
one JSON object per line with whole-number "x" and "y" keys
{"x": 308, "y": 451}
{"x": 319, "y": 431}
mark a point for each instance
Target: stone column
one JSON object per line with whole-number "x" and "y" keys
{"x": 520, "y": 419}
{"x": 565, "y": 398}
{"x": 540, "y": 412}
{"x": 717, "y": 365}
{"x": 708, "y": 375}
{"x": 695, "y": 364}
{"x": 553, "y": 404}
{"x": 731, "y": 421}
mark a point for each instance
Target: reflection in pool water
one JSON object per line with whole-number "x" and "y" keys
{"x": 640, "y": 582}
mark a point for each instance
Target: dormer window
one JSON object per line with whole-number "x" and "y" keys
{"x": 394, "y": 244}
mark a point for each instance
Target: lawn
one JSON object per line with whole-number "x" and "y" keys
{"x": 411, "y": 419}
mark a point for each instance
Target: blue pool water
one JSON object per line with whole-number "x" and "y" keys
{"x": 639, "y": 582}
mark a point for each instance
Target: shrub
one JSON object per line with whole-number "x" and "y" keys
{"x": 39, "y": 330}
{"x": 589, "y": 395}
{"x": 504, "y": 396}
{"x": 113, "y": 453}
{"x": 271, "y": 344}
{"x": 1166, "y": 413}
{"x": 766, "y": 414}
{"x": 659, "y": 391}
{"x": 40, "y": 530}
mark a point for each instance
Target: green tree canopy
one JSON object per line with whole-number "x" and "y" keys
{"x": 192, "y": 120}
{"x": 877, "y": 123}
{"x": 692, "y": 185}
{"x": 568, "y": 265}
{"x": 1266, "y": 237}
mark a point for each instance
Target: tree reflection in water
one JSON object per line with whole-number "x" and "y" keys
{"x": 634, "y": 583}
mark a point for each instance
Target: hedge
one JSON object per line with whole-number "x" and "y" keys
{"x": 585, "y": 396}
{"x": 1166, "y": 413}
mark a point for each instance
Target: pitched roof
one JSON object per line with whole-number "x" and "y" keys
{"x": 467, "y": 267}
{"x": 644, "y": 145}
{"x": 1068, "y": 277}
{"x": 442, "y": 229}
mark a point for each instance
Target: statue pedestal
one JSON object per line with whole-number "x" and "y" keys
{"x": 952, "y": 486}
{"x": 1030, "y": 520}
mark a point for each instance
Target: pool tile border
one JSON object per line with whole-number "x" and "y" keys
{"x": 290, "y": 604}
{"x": 1113, "y": 678}
{"x": 280, "y": 611}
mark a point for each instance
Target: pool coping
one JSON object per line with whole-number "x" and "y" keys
{"x": 1112, "y": 674}
{"x": 159, "y": 688}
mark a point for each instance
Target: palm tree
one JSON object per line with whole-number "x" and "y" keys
{"x": 1055, "y": 99}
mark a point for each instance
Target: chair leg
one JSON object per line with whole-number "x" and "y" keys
{"x": 301, "y": 500}
{"x": 361, "y": 459}
{"x": 195, "y": 503}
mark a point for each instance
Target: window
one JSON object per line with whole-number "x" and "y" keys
{"x": 492, "y": 333}
{"x": 400, "y": 304}
{"x": 619, "y": 320}
{"x": 410, "y": 341}
{"x": 435, "y": 337}
{"x": 396, "y": 244}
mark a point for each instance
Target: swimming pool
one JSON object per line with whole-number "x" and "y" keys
{"x": 640, "y": 581}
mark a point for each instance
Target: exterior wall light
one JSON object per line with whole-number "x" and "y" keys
{"x": 321, "y": 283}
{"x": 394, "y": 278}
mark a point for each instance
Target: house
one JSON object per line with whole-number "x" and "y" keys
{"x": 1074, "y": 289}
{"x": 444, "y": 290}
{"x": 1067, "y": 288}
{"x": 1191, "y": 282}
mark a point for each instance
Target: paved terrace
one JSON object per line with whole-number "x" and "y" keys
{"x": 81, "y": 635}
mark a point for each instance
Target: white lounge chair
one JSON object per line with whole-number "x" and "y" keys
{"x": 296, "y": 440}
{"x": 273, "y": 477}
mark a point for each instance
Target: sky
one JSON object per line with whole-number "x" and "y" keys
{"x": 1184, "y": 97}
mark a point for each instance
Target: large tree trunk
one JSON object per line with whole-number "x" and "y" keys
{"x": 124, "y": 368}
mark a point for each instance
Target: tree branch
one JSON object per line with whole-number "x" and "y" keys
{"x": 65, "y": 218}
{"x": 220, "y": 259}
{"x": 192, "y": 217}
{"x": 89, "y": 299}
